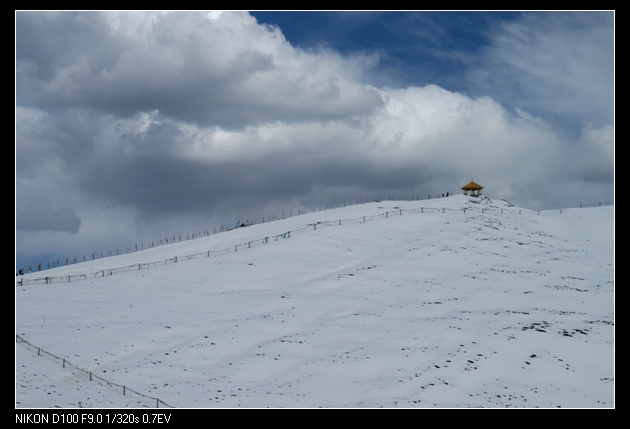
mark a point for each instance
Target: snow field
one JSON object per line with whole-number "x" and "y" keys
{"x": 446, "y": 309}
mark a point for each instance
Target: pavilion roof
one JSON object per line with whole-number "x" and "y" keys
{"x": 472, "y": 186}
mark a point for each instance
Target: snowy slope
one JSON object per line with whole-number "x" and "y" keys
{"x": 465, "y": 306}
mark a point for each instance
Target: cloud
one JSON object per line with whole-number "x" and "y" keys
{"x": 39, "y": 216}
{"x": 420, "y": 138}
{"x": 226, "y": 70}
{"x": 558, "y": 64}
{"x": 597, "y": 150}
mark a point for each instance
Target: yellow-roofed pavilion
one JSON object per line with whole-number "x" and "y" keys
{"x": 473, "y": 188}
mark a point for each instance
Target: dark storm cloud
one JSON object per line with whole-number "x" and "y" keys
{"x": 165, "y": 185}
{"x": 40, "y": 216}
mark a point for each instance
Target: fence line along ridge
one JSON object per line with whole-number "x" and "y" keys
{"x": 284, "y": 235}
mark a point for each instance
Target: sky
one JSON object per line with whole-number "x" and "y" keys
{"x": 135, "y": 126}
{"x": 415, "y": 304}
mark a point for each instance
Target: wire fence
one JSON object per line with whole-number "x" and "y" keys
{"x": 201, "y": 233}
{"x": 597, "y": 205}
{"x": 93, "y": 377}
{"x": 206, "y": 232}
{"x": 282, "y": 236}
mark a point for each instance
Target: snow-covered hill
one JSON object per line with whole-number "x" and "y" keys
{"x": 453, "y": 302}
